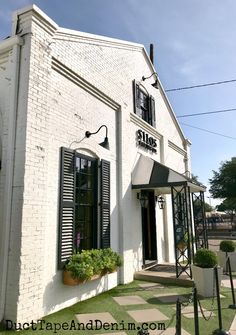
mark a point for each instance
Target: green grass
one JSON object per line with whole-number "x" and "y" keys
{"x": 105, "y": 303}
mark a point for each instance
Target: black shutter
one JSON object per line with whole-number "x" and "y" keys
{"x": 67, "y": 206}
{"x": 152, "y": 112}
{"x": 136, "y": 97}
{"x": 105, "y": 204}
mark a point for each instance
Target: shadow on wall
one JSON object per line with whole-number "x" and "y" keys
{"x": 69, "y": 295}
{"x": 57, "y": 295}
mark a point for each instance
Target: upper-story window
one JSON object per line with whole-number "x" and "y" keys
{"x": 144, "y": 105}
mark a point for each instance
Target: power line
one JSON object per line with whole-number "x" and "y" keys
{"x": 201, "y": 85}
{"x": 208, "y": 131}
{"x": 213, "y": 112}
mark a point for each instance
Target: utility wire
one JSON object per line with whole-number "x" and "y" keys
{"x": 208, "y": 131}
{"x": 202, "y": 85}
{"x": 213, "y": 112}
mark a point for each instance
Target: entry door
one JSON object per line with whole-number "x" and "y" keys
{"x": 149, "y": 229}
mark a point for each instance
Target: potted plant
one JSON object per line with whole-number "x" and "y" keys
{"x": 227, "y": 248}
{"x": 110, "y": 260}
{"x": 78, "y": 269}
{"x": 89, "y": 265}
{"x": 203, "y": 272}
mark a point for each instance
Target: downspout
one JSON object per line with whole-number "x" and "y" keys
{"x": 10, "y": 157}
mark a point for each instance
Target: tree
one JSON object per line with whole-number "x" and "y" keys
{"x": 208, "y": 208}
{"x": 197, "y": 206}
{"x": 229, "y": 207}
{"x": 223, "y": 183}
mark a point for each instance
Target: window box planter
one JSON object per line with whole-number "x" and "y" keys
{"x": 70, "y": 281}
{"x": 90, "y": 265}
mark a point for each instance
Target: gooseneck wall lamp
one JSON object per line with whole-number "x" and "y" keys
{"x": 155, "y": 84}
{"x": 105, "y": 143}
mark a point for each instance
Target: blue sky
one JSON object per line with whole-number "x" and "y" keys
{"x": 194, "y": 44}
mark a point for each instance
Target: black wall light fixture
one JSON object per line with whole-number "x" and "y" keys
{"x": 143, "y": 199}
{"x": 161, "y": 202}
{"x": 105, "y": 143}
{"x": 155, "y": 84}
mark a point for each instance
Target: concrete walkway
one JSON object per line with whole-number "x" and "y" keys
{"x": 143, "y": 315}
{"x": 169, "y": 276}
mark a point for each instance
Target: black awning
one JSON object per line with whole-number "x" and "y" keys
{"x": 149, "y": 174}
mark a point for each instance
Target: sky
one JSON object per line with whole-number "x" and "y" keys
{"x": 194, "y": 44}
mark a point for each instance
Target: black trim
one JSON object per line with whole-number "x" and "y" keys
{"x": 105, "y": 204}
{"x": 95, "y": 206}
{"x": 67, "y": 206}
{"x": 150, "y": 116}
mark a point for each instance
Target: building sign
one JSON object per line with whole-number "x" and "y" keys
{"x": 146, "y": 141}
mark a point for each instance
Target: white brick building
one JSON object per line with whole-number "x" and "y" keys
{"x": 56, "y": 84}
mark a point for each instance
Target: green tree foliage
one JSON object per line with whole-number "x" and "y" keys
{"x": 223, "y": 183}
{"x": 228, "y": 205}
{"x": 197, "y": 206}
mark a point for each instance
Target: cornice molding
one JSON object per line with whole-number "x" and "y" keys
{"x": 81, "y": 82}
{"x": 176, "y": 148}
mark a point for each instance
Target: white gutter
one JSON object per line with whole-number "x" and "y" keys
{"x": 14, "y": 43}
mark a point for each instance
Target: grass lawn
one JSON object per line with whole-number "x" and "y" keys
{"x": 105, "y": 303}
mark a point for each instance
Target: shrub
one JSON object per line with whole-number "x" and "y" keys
{"x": 227, "y": 246}
{"x": 205, "y": 258}
{"x": 110, "y": 260}
{"x": 83, "y": 265}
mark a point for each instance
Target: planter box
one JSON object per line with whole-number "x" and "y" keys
{"x": 70, "y": 281}
{"x": 222, "y": 259}
{"x": 204, "y": 280}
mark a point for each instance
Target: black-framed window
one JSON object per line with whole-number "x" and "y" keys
{"x": 144, "y": 104}
{"x": 85, "y": 236}
{"x": 79, "y": 227}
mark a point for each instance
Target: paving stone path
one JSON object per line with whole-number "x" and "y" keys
{"x": 148, "y": 314}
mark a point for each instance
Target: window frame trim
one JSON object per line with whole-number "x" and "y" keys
{"x": 150, "y": 112}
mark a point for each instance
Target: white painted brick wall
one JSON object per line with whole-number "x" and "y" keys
{"x": 54, "y": 112}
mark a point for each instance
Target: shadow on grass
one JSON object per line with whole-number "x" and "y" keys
{"x": 168, "y": 299}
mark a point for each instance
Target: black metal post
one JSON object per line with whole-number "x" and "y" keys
{"x": 228, "y": 265}
{"x": 195, "y": 305}
{"x": 178, "y": 318}
{"x": 219, "y": 331}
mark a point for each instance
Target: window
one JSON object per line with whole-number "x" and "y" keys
{"x": 79, "y": 227}
{"x": 144, "y": 105}
{"x": 85, "y": 203}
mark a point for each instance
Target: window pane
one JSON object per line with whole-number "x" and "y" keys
{"x": 85, "y": 203}
{"x": 84, "y": 165}
{"x": 81, "y": 180}
{"x": 85, "y": 197}
{"x": 143, "y": 108}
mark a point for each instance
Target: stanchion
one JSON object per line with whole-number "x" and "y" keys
{"x": 195, "y": 305}
{"x": 178, "y": 318}
{"x": 228, "y": 265}
{"x": 219, "y": 331}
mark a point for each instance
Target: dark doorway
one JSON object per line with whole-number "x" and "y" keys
{"x": 149, "y": 230}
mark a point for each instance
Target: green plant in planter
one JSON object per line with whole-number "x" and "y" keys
{"x": 80, "y": 266}
{"x": 87, "y": 263}
{"x": 227, "y": 246}
{"x": 110, "y": 260}
{"x": 205, "y": 258}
